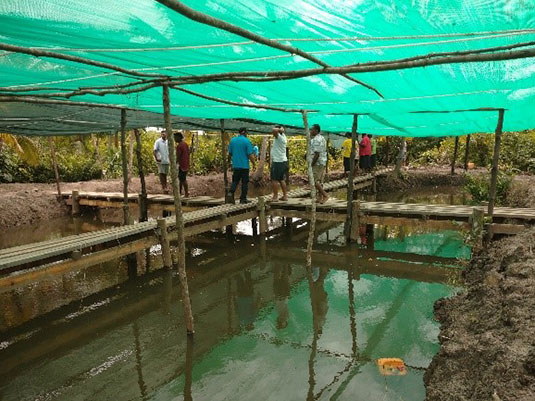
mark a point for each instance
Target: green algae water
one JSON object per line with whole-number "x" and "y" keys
{"x": 266, "y": 328}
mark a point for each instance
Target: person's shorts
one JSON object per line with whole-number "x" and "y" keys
{"x": 163, "y": 168}
{"x": 347, "y": 164}
{"x": 364, "y": 162}
{"x": 278, "y": 171}
{"x": 319, "y": 173}
{"x": 182, "y": 175}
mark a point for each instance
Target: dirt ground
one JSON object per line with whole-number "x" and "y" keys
{"x": 488, "y": 331}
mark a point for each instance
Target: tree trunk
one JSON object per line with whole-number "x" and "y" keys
{"x": 55, "y": 164}
{"x": 312, "y": 228}
{"x": 130, "y": 155}
{"x": 259, "y": 173}
{"x": 126, "y": 210}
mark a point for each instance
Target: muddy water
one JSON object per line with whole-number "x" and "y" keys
{"x": 266, "y": 328}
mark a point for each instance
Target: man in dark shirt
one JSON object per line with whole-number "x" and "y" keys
{"x": 182, "y": 158}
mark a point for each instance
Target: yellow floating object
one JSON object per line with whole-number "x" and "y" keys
{"x": 391, "y": 367}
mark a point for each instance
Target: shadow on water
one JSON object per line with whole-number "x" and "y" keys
{"x": 266, "y": 328}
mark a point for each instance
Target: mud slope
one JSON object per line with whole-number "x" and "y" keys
{"x": 488, "y": 332}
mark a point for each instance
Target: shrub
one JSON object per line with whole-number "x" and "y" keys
{"x": 478, "y": 186}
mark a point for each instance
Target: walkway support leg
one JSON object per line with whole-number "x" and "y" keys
{"x": 164, "y": 241}
{"x": 224, "y": 156}
{"x": 494, "y": 172}
{"x": 455, "y": 149}
{"x": 313, "y": 199}
{"x": 75, "y": 203}
{"x": 126, "y": 210}
{"x": 350, "y": 178}
{"x": 466, "y": 152}
{"x": 262, "y": 215}
{"x": 355, "y": 223}
{"x": 143, "y": 213}
{"x": 178, "y": 213}
{"x": 477, "y": 224}
{"x": 54, "y": 164}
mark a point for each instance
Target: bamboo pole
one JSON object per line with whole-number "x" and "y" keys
{"x": 313, "y": 200}
{"x": 54, "y": 164}
{"x": 164, "y": 241}
{"x": 143, "y": 213}
{"x": 350, "y": 178}
{"x": 126, "y": 210}
{"x": 466, "y": 152}
{"x": 224, "y": 155}
{"x": 455, "y": 150}
{"x": 178, "y": 213}
{"x": 494, "y": 171}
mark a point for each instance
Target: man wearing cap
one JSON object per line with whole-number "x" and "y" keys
{"x": 161, "y": 155}
{"x": 240, "y": 152}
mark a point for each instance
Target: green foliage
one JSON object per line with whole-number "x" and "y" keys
{"x": 478, "y": 186}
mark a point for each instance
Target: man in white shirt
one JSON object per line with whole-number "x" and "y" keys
{"x": 161, "y": 155}
{"x": 279, "y": 163}
{"x": 319, "y": 161}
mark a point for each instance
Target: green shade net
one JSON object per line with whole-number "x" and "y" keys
{"x": 146, "y": 36}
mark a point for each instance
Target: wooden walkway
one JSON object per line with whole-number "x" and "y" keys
{"x": 505, "y": 220}
{"x": 166, "y": 202}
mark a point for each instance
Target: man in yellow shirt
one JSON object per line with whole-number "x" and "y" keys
{"x": 346, "y": 153}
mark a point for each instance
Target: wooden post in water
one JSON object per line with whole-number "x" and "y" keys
{"x": 55, "y": 164}
{"x": 355, "y": 220}
{"x": 178, "y": 213}
{"x": 494, "y": 171}
{"x": 313, "y": 199}
{"x": 143, "y": 213}
{"x": 455, "y": 149}
{"x": 350, "y": 178}
{"x": 75, "y": 203}
{"x": 327, "y": 164}
{"x": 224, "y": 156}
{"x": 262, "y": 215}
{"x": 466, "y": 151}
{"x": 126, "y": 210}
{"x": 164, "y": 241}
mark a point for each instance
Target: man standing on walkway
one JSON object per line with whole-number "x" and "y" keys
{"x": 346, "y": 153}
{"x": 319, "y": 161}
{"x": 240, "y": 152}
{"x": 161, "y": 155}
{"x": 182, "y": 158}
{"x": 365, "y": 149}
{"x": 279, "y": 163}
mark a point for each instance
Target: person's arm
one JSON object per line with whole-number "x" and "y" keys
{"x": 155, "y": 153}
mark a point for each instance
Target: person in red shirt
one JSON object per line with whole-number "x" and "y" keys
{"x": 365, "y": 152}
{"x": 182, "y": 158}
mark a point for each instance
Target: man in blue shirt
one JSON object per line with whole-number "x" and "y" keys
{"x": 240, "y": 152}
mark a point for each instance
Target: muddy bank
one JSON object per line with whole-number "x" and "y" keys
{"x": 488, "y": 332}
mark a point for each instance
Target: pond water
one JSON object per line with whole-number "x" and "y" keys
{"x": 266, "y": 327}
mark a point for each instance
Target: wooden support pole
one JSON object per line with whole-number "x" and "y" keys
{"x": 54, "y": 164}
{"x": 455, "y": 149}
{"x": 254, "y": 226}
{"x": 188, "y": 314}
{"x": 355, "y": 220}
{"x": 262, "y": 215}
{"x": 126, "y": 210}
{"x": 328, "y": 158}
{"x": 477, "y": 222}
{"x": 164, "y": 241}
{"x": 288, "y": 167}
{"x": 374, "y": 185}
{"x": 466, "y": 152}
{"x": 313, "y": 199}
{"x": 75, "y": 203}
{"x": 494, "y": 171}
{"x": 401, "y": 155}
{"x": 351, "y": 176}
{"x": 224, "y": 156}
{"x": 143, "y": 209}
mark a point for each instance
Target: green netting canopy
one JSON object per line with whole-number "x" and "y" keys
{"x": 148, "y": 37}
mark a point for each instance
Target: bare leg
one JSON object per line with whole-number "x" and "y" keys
{"x": 186, "y": 188}
{"x": 163, "y": 182}
{"x": 284, "y": 190}
{"x": 323, "y": 195}
{"x": 275, "y": 188}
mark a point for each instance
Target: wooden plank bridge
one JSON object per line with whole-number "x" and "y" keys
{"x": 77, "y": 251}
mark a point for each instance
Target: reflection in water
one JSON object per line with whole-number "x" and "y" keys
{"x": 260, "y": 322}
